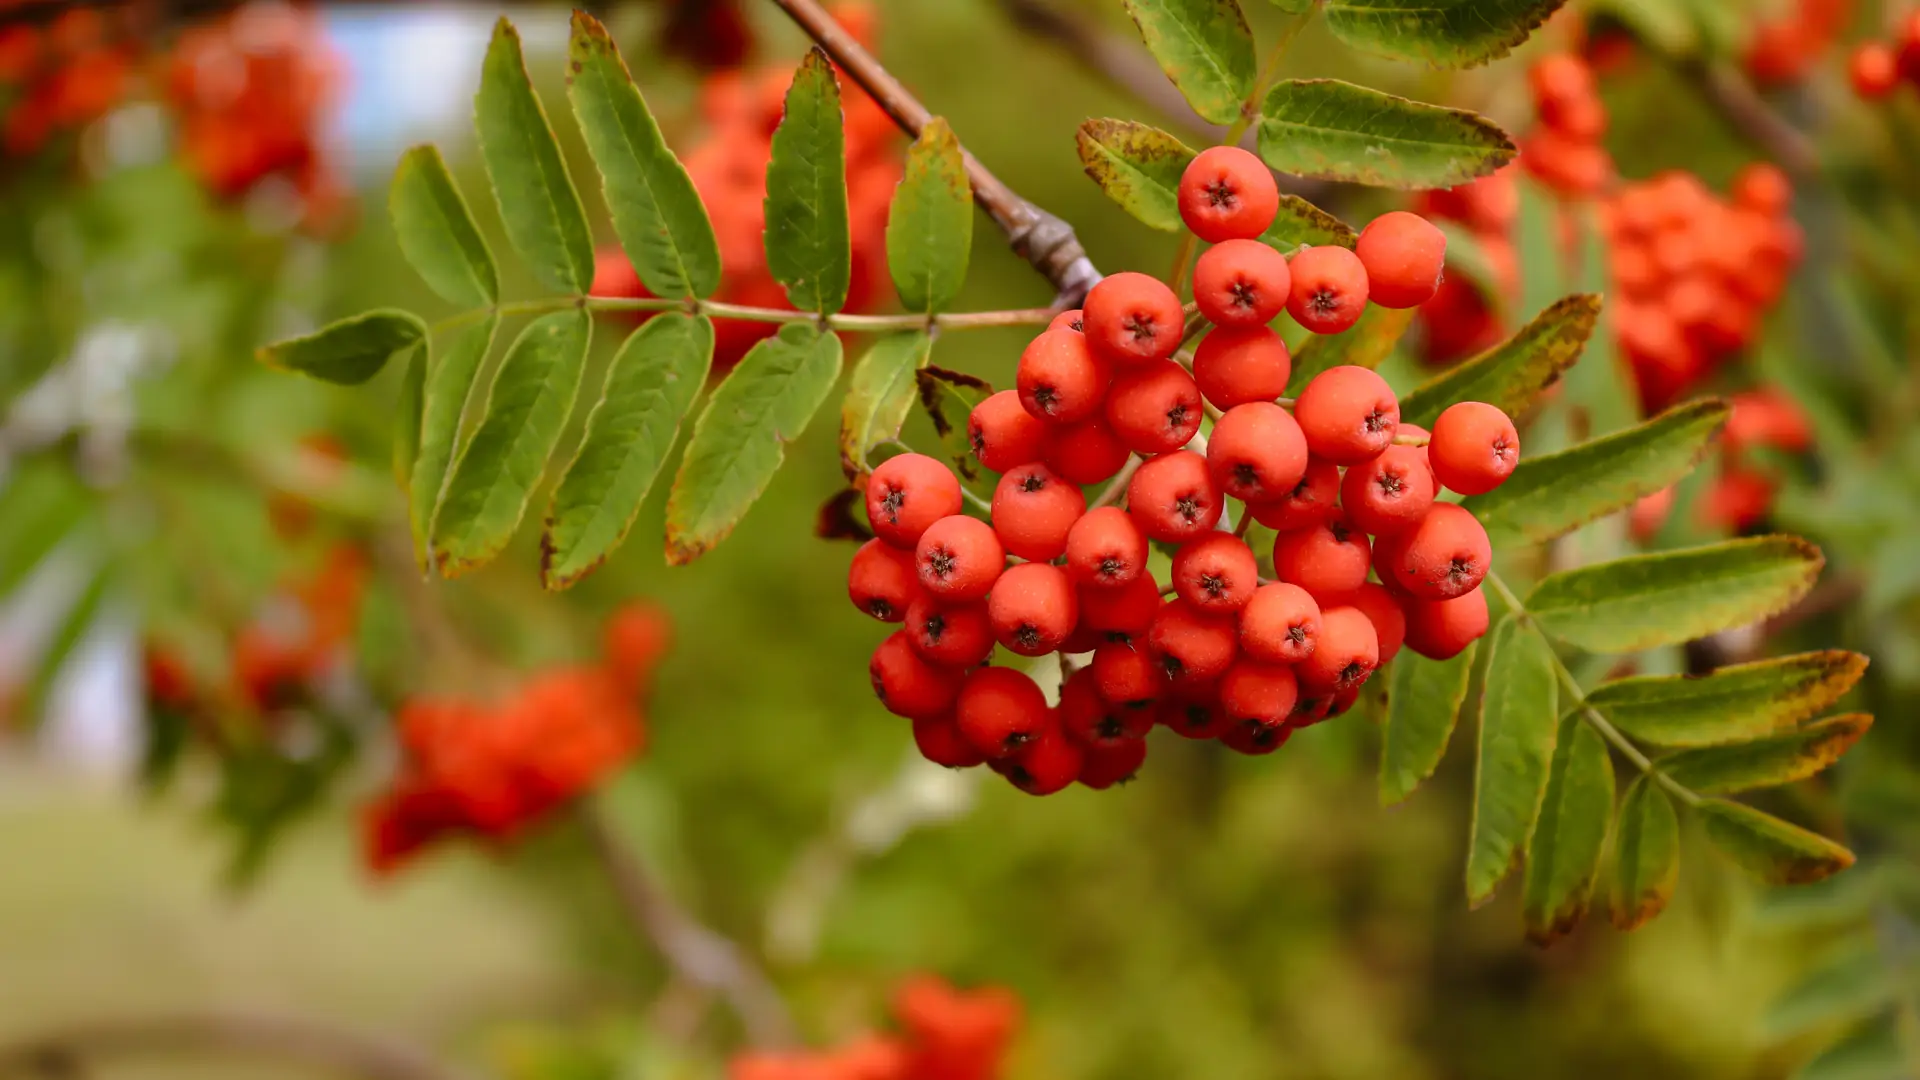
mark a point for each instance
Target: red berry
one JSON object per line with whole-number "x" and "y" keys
{"x": 1122, "y": 612}
{"x": 1389, "y": 493}
{"x": 1003, "y": 434}
{"x": 1348, "y": 414}
{"x": 1032, "y": 511}
{"x": 1087, "y": 718}
{"x": 1086, "y": 453}
{"x": 1326, "y": 559}
{"x": 1280, "y": 625}
{"x": 1313, "y": 707}
{"x": 1764, "y": 189}
{"x": 939, "y": 740}
{"x": 1257, "y": 453}
{"x": 1068, "y": 320}
{"x": 1259, "y": 693}
{"x": 1874, "y": 71}
{"x": 909, "y": 686}
{"x": 1105, "y": 549}
{"x": 1234, "y": 365}
{"x": 1329, "y": 289}
{"x": 1404, "y": 256}
{"x": 1444, "y": 556}
{"x": 1060, "y": 380}
{"x": 1382, "y": 609}
{"x": 949, "y": 634}
{"x": 1172, "y": 498}
{"x": 1194, "y": 713}
{"x": 1347, "y": 654}
{"x": 1216, "y": 573}
{"x": 1127, "y": 677}
{"x": 908, "y": 493}
{"x": 1242, "y": 283}
{"x": 1154, "y": 408}
{"x": 1254, "y": 738}
{"x": 959, "y": 558}
{"x": 1312, "y": 501}
{"x": 881, "y": 580}
{"x": 1441, "y": 630}
{"x": 1133, "y": 318}
{"x": 1044, "y": 766}
{"x": 1227, "y": 193}
{"x": 999, "y": 710}
{"x": 1474, "y": 448}
{"x": 1106, "y": 766}
{"x": 1191, "y": 645}
{"x": 1033, "y": 608}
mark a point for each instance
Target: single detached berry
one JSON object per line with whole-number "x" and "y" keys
{"x": 881, "y": 580}
{"x": 1194, "y": 713}
{"x": 1032, "y": 511}
{"x": 1242, "y": 283}
{"x": 1390, "y": 492}
{"x": 1121, "y": 612}
{"x": 1383, "y": 609}
{"x": 1154, "y": 408}
{"x": 1060, "y": 380}
{"x": 1105, "y": 549}
{"x": 1259, "y": 693}
{"x": 909, "y": 686}
{"x": 1405, "y": 256}
{"x": 1173, "y": 499}
{"x": 1033, "y": 608}
{"x": 1085, "y": 453}
{"x": 1329, "y": 289}
{"x": 1348, "y": 652}
{"x": 1313, "y": 501}
{"x": 948, "y": 634}
{"x": 1444, "y": 556}
{"x": 1191, "y": 645}
{"x": 1257, "y": 453}
{"x": 1048, "y": 764}
{"x": 1127, "y": 677}
{"x": 908, "y": 493}
{"x": 1118, "y": 763}
{"x": 1474, "y": 448}
{"x": 1003, "y": 434}
{"x": 1216, "y": 573}
{"x": 1235, "y": 365}
{"x": 1442, "y": 629}
{"x": 959, "y": 558}
{"x": 939, "y": 740}
{"x": 1348, "y": 414}
{"x": 999, "y": 710}
{"x": 1226, "y": 194}
{"x": 1280, "y": 624}
{"x": 1327, "y": 559}
{"x": 1133, "y": 319}
{"x": 1088, "y": 718}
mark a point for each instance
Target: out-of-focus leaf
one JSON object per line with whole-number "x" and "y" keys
{"x": 1444, "y": 33}
{"x": 1518, "y": 716}
{"x": 41, "y": 504}
{"x": 1563, "y": 855}
{"x": 1850, "y": 985}
{"x": 1740, "y": 701}
{"x": 1510, "y": 375}
{"x": 1876, "y": 1051}
{"x": 809, "y": 250}
{"x": 538, "y": 203}
{"x": 1205, "y": 47}
{"x": 1334, "y": 130}
{"x": 350, "y": 351}
{"x": 1646, "y": 855}
{"x": 1423, "y": 705}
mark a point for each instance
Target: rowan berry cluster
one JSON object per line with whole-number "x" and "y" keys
{"x": 729, "y": 169}
{"x": 1232, "y": 655}
{"x": 945, "y": 1034}
{"x": 1784, "y": 48}
{"x": 1565, "y": 151}
{"x": 1877, "y": 68}
{"x": 59, "y": 78}
{"x": 491, "y": 769}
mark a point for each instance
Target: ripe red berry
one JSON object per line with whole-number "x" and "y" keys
{"x": 1032, "y": 511}
{"x": 1122, "y": 612}
{"x": 1127, "y": 677}
{"x": 1259, "y": 693}
{"x": 1133, "y": 318}
{"x": 1382, "y": 608}
{"x": 1060, "y": 380}
{"x": 1329, "y": 289}
{"x": 881, "y": 580}
{"x": 959, "y": 558}
{"x": 1254, "y": 738}
{"x": 1390, "y": 492}
{"x": 1327, "y": 559}
{"x": 1348, "y": 414}
{"x": 1312, "y": 501}
{"x": 1226, "y": 194}
{"x": 1442, "y": 629}
{"x": 1085, "y": 453}
{"x": 1474, "y": 448}
{"x": 1347, "y": 654}
{"x": 948, "y": 634}
{"x": 1033, "y": 608}
{"x": 908, "y": 493}
{"x": 999, "y": 710}
{"x": 1405, "y": 256}
{"x": 1764, "y": 189}
{"x": 1003, "y": 434}
{"x": 1069, "y": 320}
{"x": 1172, "y": 498}
{"x": 1257, "y": 453}
{"x": 1242, "y": 283}
{"x": 1044, "y": 766}
{"x": 1105, "y": 549}
{"x": 1154, "y": 408}
{"x": 1313, "y": 707}
{"x": 1086, "y": 716}
{"x": 909, "y": 686}
{"x": 1191, "y": 645}
{"x": 1444, "y": 556}
{"x": 1216, "y": 573}
{"x": 1874, "y": 71}
{"x": 1118, "y": 763}
{"x": 1280, "y": 625}
{"x": 1193, "y": 713}
{"x": 1234, "y": 365}
{"x": 939, "y": 740}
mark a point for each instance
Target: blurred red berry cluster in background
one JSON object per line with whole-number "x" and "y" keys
{"x": 945, "y": 1034}
{"x": 1784, "y": 48}
{"x": 729, "y": 169}
{"x": 1877, "y": 68}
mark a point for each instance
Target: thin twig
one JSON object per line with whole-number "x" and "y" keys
{"x": 697, "y": 954}
{"x": 1748, "y": 113}
{"x": 1042, "y": 239}
{"x": 243, "y": 1034}
{"x": 1118, "y": 485}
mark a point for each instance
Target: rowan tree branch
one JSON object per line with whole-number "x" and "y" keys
{"x": 1736, "y": 100}
{"x": 64, "y": 1053}
{"x": 1042, "y": 239}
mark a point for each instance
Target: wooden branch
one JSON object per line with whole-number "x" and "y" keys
{"x": 257, "y": 1035}
{"x": 1736, "y": 100}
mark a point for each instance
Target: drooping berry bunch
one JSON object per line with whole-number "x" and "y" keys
{"x": 1877, "y": 68}
{"x": 945, "y": 1034}
{"x": 1231, "y": 655}
{"x": 59, "y": 78}
{"x": 1784, "y": 48}
{"x": 1565, "y": 152}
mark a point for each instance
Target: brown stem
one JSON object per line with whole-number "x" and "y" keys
{"x": 258, "y": 1035}
{"x": 1036, "y": 236}
{"x": 698, "y": 955}
{"x": 1748, "y": 113}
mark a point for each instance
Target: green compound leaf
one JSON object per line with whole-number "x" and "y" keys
{"x": 1548, "y": 497}
{"x": 1205, "y": 47}
{"x": 351, "y": 351}
{"x": 1334, "y": 130}
{"x": 1510, "y": 375}
{"x": 650, "y": 385}
{"x": 1775, "y": 851}
{"x": 1423, "y": 704}
{"x": 1364, "y": 344}
{"x": 740, "y": 439}
{"x": 1563, "y": 856}
{"x": 526, "y": 410}
{"x": 657, "y": 214}
{"x": 1766, "y": 762}
{"x": 1646, "y": 855}
{"x": 1645, "y": 601}
{"x": 1300, "y": 222}
{"x": 930, "y": 225}
{"x": 1518, "y": 717}
{"x": 1444, "y": 33}
{"x": 538, "y": 203}
{"x": 1138, "y": 167}
{"x": 809, "y": 250}
{"x": 449, "y": 382}
{"x": 436, "y": 231}
{"x": 1729, "y": 704}
{"x": 880, "y": 397}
